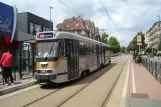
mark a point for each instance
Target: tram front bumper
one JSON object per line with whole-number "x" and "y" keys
{"x": 45, "y": 76}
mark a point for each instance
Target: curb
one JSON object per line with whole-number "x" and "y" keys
{"x": 17, "y": 87}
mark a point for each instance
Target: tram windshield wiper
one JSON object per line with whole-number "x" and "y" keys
{"x": 54, "y": 45}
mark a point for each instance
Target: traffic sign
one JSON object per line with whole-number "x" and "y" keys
{"x": 139, "y": 39}
{"x": 139, "y": 43}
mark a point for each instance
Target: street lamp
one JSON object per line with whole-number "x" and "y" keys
{"x": 50, "y": 16}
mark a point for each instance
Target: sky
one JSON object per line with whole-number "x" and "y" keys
{"x": 129, "y": 16}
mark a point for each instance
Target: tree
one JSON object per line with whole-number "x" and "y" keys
{"x": 123, "y": 48}
{"x": 149, "y": 50}
{"x": 115, "y": 45}
{"x": 134, "y": 41}
{"x": 104, "y": 38}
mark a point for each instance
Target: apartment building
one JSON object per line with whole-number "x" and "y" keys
{"x": 79, "y": 26}
{"x": 153, "y": 35}
{"x": 147, "y": 39}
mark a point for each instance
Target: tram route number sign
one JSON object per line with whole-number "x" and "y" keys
{"x": 48, "y": 35}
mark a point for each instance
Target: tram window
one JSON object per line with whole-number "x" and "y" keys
{"x": 94, "y": 47}
{"x": 85, "y": 49}
{"x": 67, "y": 49}
{"x": 91, "y": 49}
{"x": 47, "y": 48}
{"x": 62, "y": 49}
{"x": 81, "y": 48}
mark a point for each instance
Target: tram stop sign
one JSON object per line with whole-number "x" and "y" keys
{"x": 139, "y": 40}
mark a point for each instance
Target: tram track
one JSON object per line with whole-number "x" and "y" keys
{"x": 113, "y": 87}
{"x": 62, "y": 102}
{"x": 73, "y": 93}
{"x": 40, "y": 98}
{"x": 91, "y": 83}
{"x": 80, "y": 90}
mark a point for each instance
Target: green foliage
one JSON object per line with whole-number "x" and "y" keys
{"x": 123, "y": 48}
{"x": 115, "y": 45}
{"x": 148, "y": 50}
{"x": 134, "y": 41}
{"x": 104, "y": 38}
{"x": 159, "y": 46}
{"x": 86, "y": 30}
{"x": 128, "y": 48}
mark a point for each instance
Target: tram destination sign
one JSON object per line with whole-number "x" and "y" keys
{"x": 46, "y": 35}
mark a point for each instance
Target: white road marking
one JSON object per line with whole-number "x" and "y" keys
{"x": 133, "y": 80}
{"x": 124, "y": 93}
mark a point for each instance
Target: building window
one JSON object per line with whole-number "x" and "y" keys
{"x": 46, "y": 29}
{"x": 67, "y": 26}
{"x": 38, "y": 28}
{"x": 35, "y": 28}
{"x": 77, "y": 25}
{"x": 31, "y": 28}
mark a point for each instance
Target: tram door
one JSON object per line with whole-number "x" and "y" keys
{"x": 73, "y": 58}
{"x": 26, "y": 58}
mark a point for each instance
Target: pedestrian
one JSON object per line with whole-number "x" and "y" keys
{"x": 6, "y": 62}
{"x": 139, "y": 59}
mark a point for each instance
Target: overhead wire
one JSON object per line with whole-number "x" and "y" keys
{"x": 109, "y": 16}
{"x": 70, "y": 8}
{"x": 79, "y": 15}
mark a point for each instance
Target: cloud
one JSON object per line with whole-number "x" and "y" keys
{"x": 129, "y": 16}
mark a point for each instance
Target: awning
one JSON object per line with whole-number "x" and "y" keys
{"x": 25, "y": 37}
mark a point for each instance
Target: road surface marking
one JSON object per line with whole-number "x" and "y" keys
{"x": 133, "y": 80}
{"x": 124, "y": 93}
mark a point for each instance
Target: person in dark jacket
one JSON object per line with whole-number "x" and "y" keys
{"x": 6, "y": 62}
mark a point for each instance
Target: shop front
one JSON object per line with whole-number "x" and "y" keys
{"x": 8, "y": 26}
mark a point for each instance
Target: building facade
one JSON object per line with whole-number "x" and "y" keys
{"x": 31, "y": 24}
{"x": 147, "y": 39}
{"x": 79, "y": 26}
{"x": 28, "y": 25}
{"x": 153, "y": 35}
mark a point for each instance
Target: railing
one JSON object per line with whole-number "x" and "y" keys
{"x": 153, "y": 65}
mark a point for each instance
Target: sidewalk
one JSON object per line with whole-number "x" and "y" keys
{"x": 18, "y": 85}
{"x": 143, "y": 89}
{"x": 136, "y": 88}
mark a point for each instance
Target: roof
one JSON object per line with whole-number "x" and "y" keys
{"x": 78, "y": 19}
{"x": 68, "y": 35}
{"x": 153, "y": 26}
{"x": 71, "y": 26}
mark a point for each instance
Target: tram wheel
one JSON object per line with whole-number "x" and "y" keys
{"x": 84, "y": 74}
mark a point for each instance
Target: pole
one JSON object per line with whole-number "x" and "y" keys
{"x": 139, "y": 48}
{"x": 50, "y": 18}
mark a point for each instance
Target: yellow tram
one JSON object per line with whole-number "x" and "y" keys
{"x": 65, "y": 56}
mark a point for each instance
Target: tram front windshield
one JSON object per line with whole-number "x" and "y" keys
{"x": 47, "y": 48}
